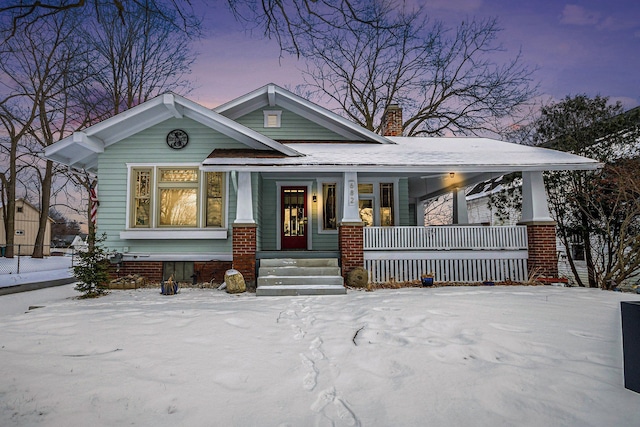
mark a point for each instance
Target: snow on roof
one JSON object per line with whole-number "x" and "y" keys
{"x": 419, "y": 154}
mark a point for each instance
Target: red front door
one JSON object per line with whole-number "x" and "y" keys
{"x": 294, "y": 217}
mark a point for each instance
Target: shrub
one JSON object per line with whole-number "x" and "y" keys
{"x": 92, "y": 269}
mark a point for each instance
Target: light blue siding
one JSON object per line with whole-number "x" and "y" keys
{"x": 293, "y": 127}
{"x": 150, "y": 147}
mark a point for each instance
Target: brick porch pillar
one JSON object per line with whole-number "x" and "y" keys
{"x": 351, "y": 245}
{"x": 244, "y": 252}
{"x": 541, "y": 229}
{"x": 543, "y": 256}
{"x": 244, "y": 236}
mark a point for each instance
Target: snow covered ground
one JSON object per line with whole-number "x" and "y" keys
{"x": 34, "y": 270}
{"x": 463, "y": 356}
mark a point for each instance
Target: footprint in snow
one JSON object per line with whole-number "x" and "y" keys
{"x": 334, "y": 408}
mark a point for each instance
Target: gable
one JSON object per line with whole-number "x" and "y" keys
{"x": 273, "y": 97}
{"x": 293, "y": 127}
{"x": 83, "y": 148}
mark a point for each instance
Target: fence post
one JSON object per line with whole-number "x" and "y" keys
{"x": 18, "y": 271}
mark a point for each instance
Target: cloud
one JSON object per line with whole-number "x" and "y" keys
{"x": 578, "y": 15}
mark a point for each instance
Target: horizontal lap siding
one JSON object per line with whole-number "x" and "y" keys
{"x": 293, "y": 127}
{"x": 267, "y": 224}
{"x": 404, "y": 217}
{"x": 150, "y": 146}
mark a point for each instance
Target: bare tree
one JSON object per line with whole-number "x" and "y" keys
{"x": 446, "y": 79}
{"x": 40, "y": 68}
{"x": 135, "y": 59}
{"x": 581, "y": 202}
{"x": 24, "y": 14}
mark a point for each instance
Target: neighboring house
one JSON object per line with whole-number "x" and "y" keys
{"x": 191, "y": 191}
{"x": 481, "y": 211}
{"x": 27, "y": 221}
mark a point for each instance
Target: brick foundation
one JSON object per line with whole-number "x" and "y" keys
{"x": 351, "y": 245}
{"x": 244, "y": 252}
{"x": 151, "y": 270}
{"x": 208, "y": 270}
{"x": 543, "y": 256}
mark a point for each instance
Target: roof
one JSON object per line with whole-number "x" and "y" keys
{"x": 81, "y": 149}
{"x": 416, "y": 154}
{"x": 364, "y": 151}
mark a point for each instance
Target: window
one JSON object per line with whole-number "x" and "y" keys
{"x": 142, "y": 198}
{"x": 272, "y": 118}
{"x": 329, "y": 208}
{"x": 386, "y": 204}
{"x": 215, "y": 211}
{"x": 376, "y": 204}
{"x": 178, "y": 191}
{"x": 170, "y": 197}
{"x": 19, "y": 232}
{"x": 366, "y": 212}
{"x": 182, "y": 271}
{"x": 19, "y": 209}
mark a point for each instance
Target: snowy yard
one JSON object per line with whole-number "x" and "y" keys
{"x": 464, "y": 356}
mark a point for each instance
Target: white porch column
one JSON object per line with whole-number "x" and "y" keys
{"x": 244, "y": 201}
{"x": 534, "y": 198}
{"x": 350, "y": 207}
{"x": 460, "y": 213}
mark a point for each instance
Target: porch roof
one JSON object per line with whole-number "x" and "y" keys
{"x": 413, "y": 154}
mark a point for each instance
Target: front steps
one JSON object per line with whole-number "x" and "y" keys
{"x": 288, "y": 276}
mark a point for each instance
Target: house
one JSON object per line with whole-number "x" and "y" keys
{"x": 27, "y": 222}
{"x": 191, "y": 191}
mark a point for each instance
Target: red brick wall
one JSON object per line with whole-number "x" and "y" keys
{"x": 351, "y": 244}
{"x": 208, "y": 270}
{"x": 543, "y": 256}
{"x": 151, "y": 270}
{"x": 244, "y": 253}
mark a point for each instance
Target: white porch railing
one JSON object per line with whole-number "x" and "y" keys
{"x": 452, "y": 253}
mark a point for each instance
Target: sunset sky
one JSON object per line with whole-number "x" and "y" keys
{"x": 584, "y": 46}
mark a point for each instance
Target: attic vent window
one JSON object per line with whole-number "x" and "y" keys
{"x": 272, "y": 118}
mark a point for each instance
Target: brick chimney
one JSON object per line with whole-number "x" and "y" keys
{"x": 391, "y": 121}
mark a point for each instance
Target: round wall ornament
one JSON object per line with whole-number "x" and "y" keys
{"x": 177, "y": 139}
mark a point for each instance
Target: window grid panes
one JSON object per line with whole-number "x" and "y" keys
{"x": 176, "y": 198}
{"x": 142, "y": 198}
{"x": 214, "y": 215}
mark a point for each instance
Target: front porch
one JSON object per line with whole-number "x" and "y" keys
{"x": 401, "y": 252}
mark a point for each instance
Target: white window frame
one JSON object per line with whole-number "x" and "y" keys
{"x": 376, "y": 197}
{"x": 320, "y": 203}
{"x": 165, "y": 232}
{"x": 271, "y": 113}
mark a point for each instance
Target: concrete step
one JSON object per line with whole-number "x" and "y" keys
{"x": 294, "y": 290}
{"x": 302, "y": 262}
{"x": 300, "y": 280}
{"x": 299, "y": 276}
{"x": 299, "y": 271}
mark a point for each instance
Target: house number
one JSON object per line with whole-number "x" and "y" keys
{"x": 352, "y": 193}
